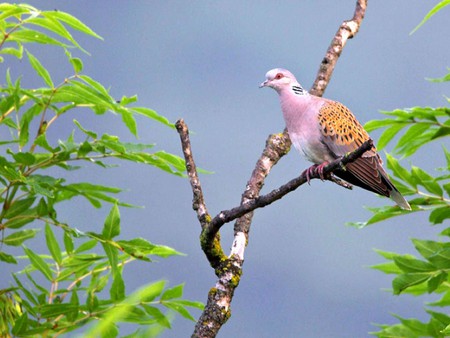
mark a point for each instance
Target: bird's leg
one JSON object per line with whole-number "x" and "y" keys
{"x": 319, "y": 169}
{"x": 316, "y": 169}
{"x": 309, "y": 172}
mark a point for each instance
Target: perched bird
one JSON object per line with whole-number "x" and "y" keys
{"x": 323, "y": 130}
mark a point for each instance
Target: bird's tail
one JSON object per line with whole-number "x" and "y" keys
{"x": 399, "y": 199}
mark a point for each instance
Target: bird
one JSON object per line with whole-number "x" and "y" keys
{"x": 323, "y": 130}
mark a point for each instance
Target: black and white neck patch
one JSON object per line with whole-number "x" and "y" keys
{"x": 298, "y": 90}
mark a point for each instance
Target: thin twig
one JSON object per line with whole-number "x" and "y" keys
{"x": 229, "y": 269}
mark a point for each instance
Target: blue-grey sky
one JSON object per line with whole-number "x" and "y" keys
{"x": 306, "y": 274}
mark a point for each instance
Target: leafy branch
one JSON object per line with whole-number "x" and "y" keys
{"x": 75, "y": 276}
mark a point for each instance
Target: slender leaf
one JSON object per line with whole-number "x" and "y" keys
{"x": 111, "y": 227}
{"x": 38, "y": 263}
{"x": 175, "y": 292}
{"x": 72, "y": 22}
{"x": 439, "y": 215}
{"x": 432, "y": 12}
{"x": 19, "y": 206}
{"x": 404, "y": 281}
{"x": 413, "y": 265}
{"x": 389, "y": 134}
{"x": 117, "y": 291}
{"x": 52, "y": 244}
{"x": 4, "y": 257}
{"x": 153, "y": 115}
{"x": 18, "y": 237}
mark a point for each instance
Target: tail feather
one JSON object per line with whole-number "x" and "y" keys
{"x": 367, "y": 173}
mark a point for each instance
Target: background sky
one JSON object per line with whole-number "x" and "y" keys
{"x": 306, "y": 273}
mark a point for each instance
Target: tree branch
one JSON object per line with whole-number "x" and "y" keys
{"x": 347, "y": 30}
{"x": 276, "y": 194}
{"x": 229, "y": 269}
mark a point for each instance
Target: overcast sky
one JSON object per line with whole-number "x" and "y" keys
{"x": 306, "y": 274}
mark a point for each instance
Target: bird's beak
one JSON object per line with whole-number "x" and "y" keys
{"x": 264, "y": 84}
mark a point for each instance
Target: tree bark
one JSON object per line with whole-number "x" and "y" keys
{"x": 228, "y": 269}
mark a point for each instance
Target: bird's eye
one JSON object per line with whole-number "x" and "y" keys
{"x": 278, "y": 76}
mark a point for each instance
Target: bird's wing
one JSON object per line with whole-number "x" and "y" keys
{"x": 342, "y": 133}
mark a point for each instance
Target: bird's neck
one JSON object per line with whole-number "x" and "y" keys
{"x": 297, "y": 89}
{"x": 294, "y": 102}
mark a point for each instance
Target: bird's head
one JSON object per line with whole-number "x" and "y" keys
{"x": 280, "y": 79}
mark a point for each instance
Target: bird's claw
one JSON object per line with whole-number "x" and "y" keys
{"x": 314, "y": 170}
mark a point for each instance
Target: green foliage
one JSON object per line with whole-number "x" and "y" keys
{"x": 428, "y": 273}
{"x": 432, "y": 12}
{"x": 413, "y": 128}
{"x": 72, "y": 284}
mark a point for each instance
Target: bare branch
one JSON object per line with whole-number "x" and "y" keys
{"x": 198, "y": 202}
{"x": 347, "y": 30}
{"x": 276, "y": 194}
{"x": 229, "y": 270}
{"x": 210, "y": 243}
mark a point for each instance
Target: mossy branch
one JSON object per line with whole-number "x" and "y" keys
{"x": 229, "y": 269}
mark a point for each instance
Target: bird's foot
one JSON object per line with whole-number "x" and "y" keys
{"x": 314, "y": 170}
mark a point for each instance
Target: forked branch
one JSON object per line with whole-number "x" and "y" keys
{"x": 229, "y": 268}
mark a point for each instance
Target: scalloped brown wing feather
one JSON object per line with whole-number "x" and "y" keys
{"x": 342, "y": 133}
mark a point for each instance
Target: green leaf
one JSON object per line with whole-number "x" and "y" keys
{"x": 4, "y": 257}
{"x": 150, "y": 292}
{"x": 68, "y": 242}
{"x": 53, "y": 25}
{"x": 165, "y": 251}
{"x": 377, "y": 124}
{"x": 129, "y": 120}
{"x": 408, "y": 264}
{"x": 388, "y": 267}
{"x": 38, "y": 263}
{"x": 25, "y": 121}
{"x": 439, "y": 215}
{"x": 111, "y": 227}
{"x": 398, "y": 170}
{"x": 445, "y": 78}
{"x": 88, "y": 245}
{"x": 19, "y": 206}
{"x": 427, "y": 181}
{"x": 153, "y": 115}
{"x": 20, "y": 325}
{"x": 444, "y": 301}
{"x": 97, "y": 86}
{"x": 87, "y": 132}
{"x": 389, "y": 134}
{"x": 175, "y": 292}
{"x": 412, "y": 133}
{"x": 174, "y": 305}
{"x": 72, "y": 22}
{"x": 117, "y": 291}
{"x": 427, "y": 248}
{"x": 177, "y": 162}
{"x": 28, "y": 35}
{"x": 185, "y": 302}
{"x": 157, "y": 314}
{"x": 404, "y": 281}
{"x": 435, "y": 281}
{"x": 18, "y": 237}
{"x": 40, "y": 70}
{"x": 433, "y": 11}
{"x": 77, "y": 65}
{"x": 24, "y": 158}
{"x": 113, "y": 257}
{"x": 119, "y": 312}
{"x": 52, "y": 244}
{"x": 53, "y": 310}
{"x": 24, "y": 218}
